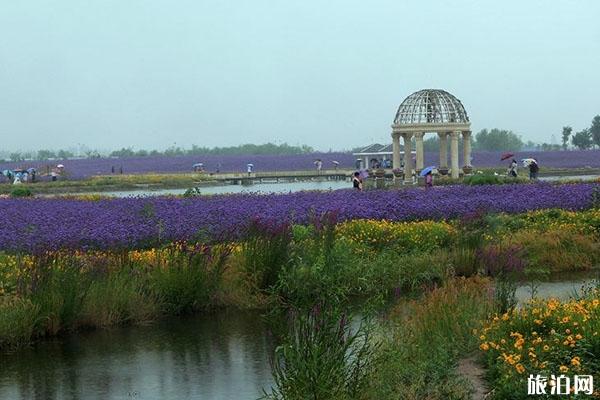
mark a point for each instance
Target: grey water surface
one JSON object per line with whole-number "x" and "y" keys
{"x": 220, "y": 356}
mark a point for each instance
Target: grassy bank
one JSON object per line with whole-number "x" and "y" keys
{"x": 115, "y": 182}
{"x": 49, "y": 292}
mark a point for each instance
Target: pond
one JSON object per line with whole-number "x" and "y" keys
{"x": 218, "y": 356}
{"x": 284, "y": 187}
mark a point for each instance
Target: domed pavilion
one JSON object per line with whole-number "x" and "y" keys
{"x": 432, "y": 111}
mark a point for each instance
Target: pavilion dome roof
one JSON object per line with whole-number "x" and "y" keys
{"x": 431, "y": 106}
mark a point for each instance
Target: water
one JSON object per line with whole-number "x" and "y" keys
{"x": 562, "y": 286}
{"x": 559, "y": 178}
{"x": 229, "y": 189}
{"x": 221, "y": 356}
{"x": 284, "y": 187}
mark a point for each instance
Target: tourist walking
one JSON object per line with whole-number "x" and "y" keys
{"x": 429, "y": 180}
{"x": 357, "y": 182}
{"x": 249, "y": 168}
{"x": 533, "y": 170}
{"x": 512, "y": 169}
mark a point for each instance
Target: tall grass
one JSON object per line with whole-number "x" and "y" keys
{"x": 187, "y": 278}
{"x": 427, "y": 338}
{"x": 323, "y": 357}
{"x": 265, "y": 252}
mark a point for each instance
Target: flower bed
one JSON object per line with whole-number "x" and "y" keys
{"x": 41, "y": 224}
{"x": 547, "y": 337}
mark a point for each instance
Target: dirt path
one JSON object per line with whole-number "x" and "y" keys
{"x": 470, "y": 369}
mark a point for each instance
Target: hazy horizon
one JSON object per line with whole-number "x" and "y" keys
{"x": 150, "y": 75}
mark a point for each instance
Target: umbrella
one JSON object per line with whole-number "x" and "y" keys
{"x": 527, "y": 161}
{"x": 506, "y": 156}
{"x": 7, "y": 172}
{"x": 250, "y": 165}
{"x": 336, "y": 162}
{"x": 31, "y": 170}
{"x": 427, "y": 170}
{"x": 198, "y": 165}
{"x": 60, "y": 166}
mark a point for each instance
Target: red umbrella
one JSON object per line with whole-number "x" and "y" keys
{"x": 506, "y": 156}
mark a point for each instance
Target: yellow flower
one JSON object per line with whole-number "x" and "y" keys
{"x": 563, "y": 368}
{"x": 484, "y": 346}
{"x": 520, "y": 368}
{"x": 576, "y": 361}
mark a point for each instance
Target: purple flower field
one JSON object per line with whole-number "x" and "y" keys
{"x": 39, "y": 224}
{"x": 83, "y": 168}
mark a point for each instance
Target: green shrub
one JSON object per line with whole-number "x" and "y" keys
{"x": 188, "y": 278}
{"x": 426, "y": 338}
{"x": 20, "y": 191}
{"x": 265, "y": 252}
{"x": 18, "y": 319}
{"x": 116, "y": 300}
{"x": 323, "y": 357}
{"x": 483, "y": 179}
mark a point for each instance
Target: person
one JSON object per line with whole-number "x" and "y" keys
{"x": 54, "y": 175}
{"x": 429, "y": 179}
{"x": 356, "y": 181}
{"x": 512, "y": 169}
{"x": 319, "y": 165}
{"x": 533, "y": 170}
{"x": 250, "y": 166}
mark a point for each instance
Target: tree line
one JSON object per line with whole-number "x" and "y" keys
{"x": 584, "y": 139}
{"x": 245, "y": 149}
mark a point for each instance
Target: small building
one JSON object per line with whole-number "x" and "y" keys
{"x": 376, "y": 153}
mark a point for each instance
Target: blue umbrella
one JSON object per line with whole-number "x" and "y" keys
{"x": 198, "y": 165}
{"x": 427, "y": 170}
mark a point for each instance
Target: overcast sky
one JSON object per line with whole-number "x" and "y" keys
{"x": 329, "y": 74}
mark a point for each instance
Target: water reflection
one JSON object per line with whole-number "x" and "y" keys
{"x": 224, "y": 356}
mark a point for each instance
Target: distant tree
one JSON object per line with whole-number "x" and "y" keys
{"x": 64, "y": 154}
{"x": 45, "y": 154}
{"x": 123, "y": 153}
{"x": 595, "y": 130}
{"x": 16, "y": 156}
{"x": 583, "y": 139}
{"x": 174, "y": 151}
{"x": 92, "y": 154}
{"x": 566, "y": 133}
{"x": 531, "y": 145}
{"x": 497, "y": 139}
{"x": 549, "y": 147}
{"x": 141, "y": 153}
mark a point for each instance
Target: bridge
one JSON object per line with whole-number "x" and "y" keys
{"x": 282, "y": 176}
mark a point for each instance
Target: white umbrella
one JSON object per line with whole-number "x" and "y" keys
{"x": 60, "y": 166}
{"x": 527, "y": 161}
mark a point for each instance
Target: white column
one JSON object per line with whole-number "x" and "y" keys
{"x": 467, "y": 148}
{"x": 396, "y": 150}
{"x": 420, "y": 155}
{"x": 407, "y": 136}
{"x": 443, "y": 150}
{"x": 454, "y": 153}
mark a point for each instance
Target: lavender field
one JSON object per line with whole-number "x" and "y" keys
{"x": 41, "y": 223}
{"x": 83, "y": 168}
